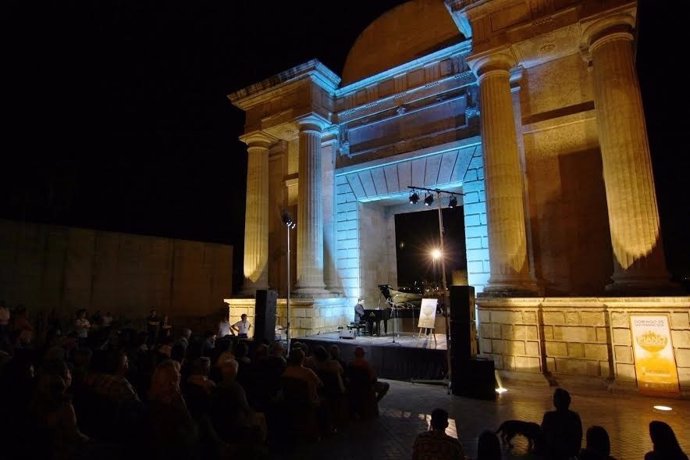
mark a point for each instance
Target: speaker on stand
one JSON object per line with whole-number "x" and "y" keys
{"x": 265, "y": 315}
{"x": 471, "y": 377}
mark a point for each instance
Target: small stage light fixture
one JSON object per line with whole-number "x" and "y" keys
{"x": 414, "y": 198}
{"x": 429, "y": 199}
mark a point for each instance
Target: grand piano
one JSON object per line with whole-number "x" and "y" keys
{"x": 374, "y": 317}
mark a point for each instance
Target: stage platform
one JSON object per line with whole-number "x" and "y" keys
{"x": 404, "y": 356}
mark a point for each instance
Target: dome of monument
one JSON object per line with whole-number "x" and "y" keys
{"x": 406, "y": 32}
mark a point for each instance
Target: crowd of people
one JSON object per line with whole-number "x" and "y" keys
{"x": 559, "y": 437}
{"x": 90, "y": 388}
{"x": 96, "y": 387}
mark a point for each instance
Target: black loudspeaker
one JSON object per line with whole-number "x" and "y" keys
{"x": 461, "y": 322}
{"x": 474, "y": 378}
{"x": 265, "y": 315}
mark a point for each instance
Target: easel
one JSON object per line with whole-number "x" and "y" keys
{"x": 427, "y": 331}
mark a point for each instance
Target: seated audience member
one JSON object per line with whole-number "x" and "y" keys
{"x": 488, "y": 446}
{"x": 82, "y": 326}
{"x": 172, "y": 431}
{"x": 562, "y": 428}
{"x": 233, "y": 419}
{"x": 55, "y": 420}
{"x": 179, "y": 348}
{"x": 153, "y": 322}
{"x": 360, "y": 362}
{"x": 665, "y": 444}
{"x": 209, "y": 344}
{"x": 295, "y": 370}
{"x": 435, "y": 444}
{"x": 597, "y": 445}
{"x": 334, "y": 351}
{"x": 108, "y": 378}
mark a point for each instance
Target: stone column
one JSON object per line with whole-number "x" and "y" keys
{"x": 330, "y": 274}
{"x": 639, "y": 264}
{"x": 510, "y": 271}
{"x": 256, "y": 214}
{"x": 310, "y": 210}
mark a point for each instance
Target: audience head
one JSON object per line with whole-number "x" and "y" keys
{"x": 321, "y": 354}
{"x": 228, "y": 368}
{"x": 296, "y": 357}
{"x": 439, "y": 419}
{"x": 201, "y": 366}
{"x": 241, "y": 350}
{"x": 334, "y": 350}
{"x": 598, "y": 440}
{"x": 243, "y": 317}
{"x": 664, "y": 439}
{"x": 260, "y": 351}
{"x": 186, "y": 333}
{"x": 359, "y": 352}
{"x": 277, "y": 349}
{"x": 165, "y": 382}
{"x": 49, "y": 392}
{"x": 561, "y": 399}
{"x": 81, "y": 357}
{"x": 58, "y": 367}
{"x": 488, "y": 446}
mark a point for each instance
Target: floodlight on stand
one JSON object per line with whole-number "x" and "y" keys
{"x": 453, "y": 202}
{"x": 414, "y": 198}
{"x": 429, "y": 199}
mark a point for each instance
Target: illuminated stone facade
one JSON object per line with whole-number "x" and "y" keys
{"x": 531, "y": 109}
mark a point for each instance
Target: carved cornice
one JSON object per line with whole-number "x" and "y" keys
{"x": 618, "y": 26}
{"x": 267, "y": 89}
{"x": 258, "y": 139}
{"x": 462, "y": 49}
{"x": 312, "y": 122}
{"x": 496, "y": 60}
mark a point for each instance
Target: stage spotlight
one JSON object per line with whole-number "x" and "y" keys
{"x": 429, "y": 199}
{"x": 453, "y": 202}
{"x": 414, "y": 198}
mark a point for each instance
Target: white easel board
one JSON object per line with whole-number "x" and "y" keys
{"x": 427, "y": 314}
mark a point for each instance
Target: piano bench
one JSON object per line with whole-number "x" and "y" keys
{"x": 356, "y": 327}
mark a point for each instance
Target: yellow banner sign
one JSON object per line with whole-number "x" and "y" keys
{"x": 655, "y": 362}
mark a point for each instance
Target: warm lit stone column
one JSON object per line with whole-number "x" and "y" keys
{"x": 639, "y": 265}
{"x": 256, "y": 214}
{"x": 310, "y": 210}
{"x": 510, "y": 273}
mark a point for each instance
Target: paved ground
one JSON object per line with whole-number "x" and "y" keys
{"x": 404, "y": 413}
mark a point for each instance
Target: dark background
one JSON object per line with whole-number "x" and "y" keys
{"x": 116, "y": 116}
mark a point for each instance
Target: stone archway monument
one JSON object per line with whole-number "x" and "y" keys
{"x": 532, "y": 110}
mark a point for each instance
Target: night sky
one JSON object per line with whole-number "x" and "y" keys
{"x": 116, "y": 115}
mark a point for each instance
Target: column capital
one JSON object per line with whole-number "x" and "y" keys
{"x": 484, "y": 64}
{"x": 312, "y": 122}
{"x": 258, "y": 139}
{"x": 618, "y": 26}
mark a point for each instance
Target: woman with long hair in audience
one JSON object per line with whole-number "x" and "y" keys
{"x": 665, "y": 444}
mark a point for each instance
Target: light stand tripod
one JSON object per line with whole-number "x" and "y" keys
{"x": 446, "y": 306}
{"x": 289, "y": 225}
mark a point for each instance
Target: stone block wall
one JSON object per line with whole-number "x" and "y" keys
{"x": 509, "y": 334}
{"x": 347, "y": 238}
{"x": 66, "y": 268}
{"x": 307, "y": 316}
{"x": 577, "y": 337}
{"x": 476, "y": 232}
